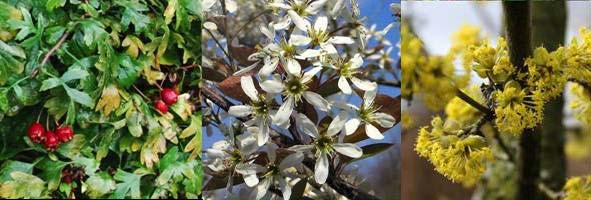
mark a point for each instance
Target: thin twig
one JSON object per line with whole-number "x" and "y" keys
{"x": 219, "y": 44}
{"x": 502, "y": 144}
{"x": 250, "y": 20}
{"x": 227, "y": 34}
{"x": 473, "y": 102}
{"x": 50, "y": 52}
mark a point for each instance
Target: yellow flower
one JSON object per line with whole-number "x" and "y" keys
{"x": 516, "y": 110}
{"x": 489, "y": 62}
{"x": 545, "y": 73}
{"x": 581, "y": 105}
{"x": 459, "y": 157}
{"x": 462, "y": 112}
{"x": 577, "y": 57}
{"x": 578, "y": 188}
{"x": 465, "y": 37}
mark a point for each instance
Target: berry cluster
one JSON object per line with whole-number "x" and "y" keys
{"x": 168, "y": 97}
{"x": 50, "y": 139}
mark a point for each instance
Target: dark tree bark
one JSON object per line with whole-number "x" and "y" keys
{"x": 518, "y": 33}
{"x": 548, "y": 30}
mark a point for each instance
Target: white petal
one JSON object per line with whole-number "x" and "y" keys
{"x": 240, "y": 110}
{"x": 285, "y": 189}
{"x": 280, "y": 5}
{"x": 300, "y": 22}
{"x": 272, "y": 151}
{"x": 337, "y": 7}
{"x": 372, "y": 132}
{"x": 352, "y": 125}
{"x": 306, "y": 125}
{"x": 284, "y": 112}
{"x": 315, "y": 6}
{"x": 248, "y": 169}
{"x": 368, "y": 97}
{"x": 270, "y": 33}
{"x": 251, "y": 180}
{"x": 282, "y": 23}
{"x": 246, "y": 69}
{"x": 341, "y": 40}
{"x": 384, "y": 120}
{"x": 292, "y": 160}
{"x": 231, "y": 6}
{"x": 310, "y": 53}
{"x": 364, "y": 84}
{"x": 301, "y": 148}
{"x": 263, "y": 135}
{"x": 262, "y": 188}
{"x": 356, "y": 61}
{"x": 337, "y": 123}
{"x": 329, "y": 48}
{"x": 210, "y": 26}
{"x": 299, "y": 40}
{"x": 272, "y": 86}
{"x": 348, "y": 149}
{"x": 317, "y": 101}
{"x": 248, "y": 87}
{"x": 344, "y": 85}
{"x": 293, "y": 67}
{"x": 310, "y": 73}
{"x": 269, "y": 67}
{"x": 321, "y": 24}
{"x": 321, "y": 168}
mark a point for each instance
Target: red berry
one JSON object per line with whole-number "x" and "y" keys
{"x": 51, "y": 141}
{"x": 161, "y": 106}
{"x": 36, "y": 132}
{"x": 64, "y": 134}
{"x": 169, "y": 95}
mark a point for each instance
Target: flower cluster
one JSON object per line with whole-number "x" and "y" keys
{"x": 293, "y": 120}
{"x": 578, "y": 188}
{"x": 458, "y": 156}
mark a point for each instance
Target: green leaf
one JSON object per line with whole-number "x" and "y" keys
{"x": 53, "y": 4}
{"x": 4, "y": 104}
{"x": 129, "y": 185}
{"x": 55, "y": 33}
{"x": 74, "y": 74}
{"x": 71, "y": 115}
{"x": 94, "y": 32}
{"x": 132, "y": 13}
{"x": 72, "y": 148}
{"x": 195, "y": 144}
{"x": 170, "y": 10}
{"x": 57, "y": 105}
{"x": 133, "y": 124}
{"x": 12, "y": 166}
{"x": 50, "y": 83}
{"x": 169, "y": 158}
{"x": 13, "y": 50}
{"x": 99, "y": 185}
{"x": 129, "y": 71}
{"x": 52, "y": 172}
{"x": 79, "y": 97}
{"x": 26, "y": 27}
{"x": 90, "y": 165}
{"x": 22, "y": 185}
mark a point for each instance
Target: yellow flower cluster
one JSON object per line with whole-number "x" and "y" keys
{"x": 578, "y": 188}
{"x": 462, "y": 112}
{"x": 491, "y": 62}
{"x": 581, "y": 104}
{"x": 545, "y": 73}
{"x": 578, "y": 57}
{"x": 516, "y": 110}
{"x": 459, "y": 157}
{"x": 433, "y": 77}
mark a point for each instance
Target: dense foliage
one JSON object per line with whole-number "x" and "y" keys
{"x": 86, "y": 79}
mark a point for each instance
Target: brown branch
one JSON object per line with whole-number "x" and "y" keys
{"x": 473, "y": 103}
{"x": 50, "y": 53}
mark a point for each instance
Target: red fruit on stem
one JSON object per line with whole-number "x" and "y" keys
{"x": 64, "y": 134}
{"x": 161, "y": 106}
{"x": 169, "y": 96}
{"x": 37, "y": 132}
{"x": 51, "y": 141}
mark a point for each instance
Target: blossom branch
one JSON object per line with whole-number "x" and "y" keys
{"x": 473, "y": 102}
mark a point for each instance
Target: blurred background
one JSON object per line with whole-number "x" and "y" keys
{"x": 434, "y": 23}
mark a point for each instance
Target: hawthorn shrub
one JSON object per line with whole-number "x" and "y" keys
{"x": 97, "y": 98}
{"x": 294, "y": 87}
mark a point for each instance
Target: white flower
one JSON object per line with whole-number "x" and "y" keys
{"x": 325, "y": 145}
{"x": 230, "y": 156}
{"x": 298, "y": 10}
{"x": 275, "y": 172}
{"x": 382, "y": 57}
{"x": 294, "y": 88}
{"x": 259, "y": 110}
{"x": 368, "y": 115}
{"x": 347, "y": 69}
{"x": 319, "y": 36}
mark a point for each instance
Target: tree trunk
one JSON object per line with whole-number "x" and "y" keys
{"x": 548, "y": 30}
{"x": 518, "y": 22}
